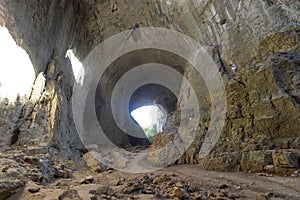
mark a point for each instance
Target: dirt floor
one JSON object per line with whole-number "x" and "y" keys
{"x": 176, "y": 182}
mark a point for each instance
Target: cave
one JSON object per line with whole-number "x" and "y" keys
{"x": 152, "y": 119}
{"x": 224, "y": 75}
{"x": 162, "y": 100}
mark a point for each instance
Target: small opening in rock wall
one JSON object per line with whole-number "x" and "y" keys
{"x": 151, "y": 119}
{"x": 77, "y": 67}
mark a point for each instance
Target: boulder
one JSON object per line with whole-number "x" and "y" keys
{"x": 286, "y": 158}
{"x": 92, "y": 161}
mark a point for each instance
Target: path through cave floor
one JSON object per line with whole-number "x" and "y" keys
{"x": 175, "y": 182}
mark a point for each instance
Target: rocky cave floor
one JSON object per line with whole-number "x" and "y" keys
{"x": 30, "y": 174}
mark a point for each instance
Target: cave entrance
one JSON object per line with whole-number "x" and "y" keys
{"x": 149, "y": 108}
{"x": 17, "y": 73}
{"x": 151, "y": 119}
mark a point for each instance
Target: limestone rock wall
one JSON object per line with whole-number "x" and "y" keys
{"x": 44, "y": 30}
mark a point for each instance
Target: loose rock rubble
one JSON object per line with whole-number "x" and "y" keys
{"x": 28, "y": 176}
{"x": 19, "y": 168}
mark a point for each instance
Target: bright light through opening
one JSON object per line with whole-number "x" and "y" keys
{"x": 16, "y": 70}
{"x": 77, "y": 67}
{"x": 150, "y": 118}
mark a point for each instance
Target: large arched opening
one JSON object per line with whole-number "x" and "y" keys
{"x": 116, "y": 95}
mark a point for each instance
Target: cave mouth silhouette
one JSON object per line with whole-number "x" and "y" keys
{"x": 151, "y": 119}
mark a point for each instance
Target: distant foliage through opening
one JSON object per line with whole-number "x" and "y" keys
{"x": 151, "y": 119}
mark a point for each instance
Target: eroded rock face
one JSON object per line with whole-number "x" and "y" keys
{"x": 260, "y": 38}
{"x": 165, "y": 150}
{"x": 38, "y": 120}
{"x": 260, "y": 94}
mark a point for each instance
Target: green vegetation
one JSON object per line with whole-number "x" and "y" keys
{"x": 150, "y": 132}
